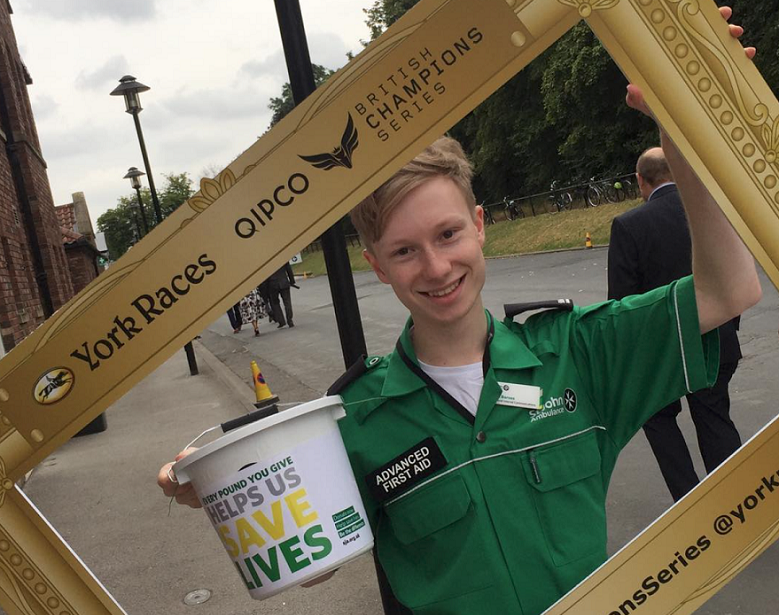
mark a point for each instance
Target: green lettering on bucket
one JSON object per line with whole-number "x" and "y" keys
{"x": 243, "y": 577}
{"x": 293, "y": 555}
{"x": 344, "y": 513}
{"x": 351, "y": 529}
{"x": 347, "y": 522}
{"x": 312, "y": 540}
{"x": 269, "y": 568}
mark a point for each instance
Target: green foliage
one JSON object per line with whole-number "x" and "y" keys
{"x": 119, "y": 228}
{"x": 384, "y": 13}
{"x": 178, "y": 188}
{"x": 511, "y": 145}
{"x": 584, "y": 97}
{"x": 123, "y": 226}
{"x": 282, "y": 105}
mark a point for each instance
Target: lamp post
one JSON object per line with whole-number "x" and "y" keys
{"x": 130, "y": 88}
{"x": 134, "y": 208}
{"x": 339, "y": 272}
{"x": 134, "y": 175}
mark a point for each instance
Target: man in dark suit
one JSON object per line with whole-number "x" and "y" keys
{"x": 650, "y": 247}
{"x": 234, "y": 314}
{"x": 278, "y": 285}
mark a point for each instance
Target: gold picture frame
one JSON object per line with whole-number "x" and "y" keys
{"x": 305, "y": 174}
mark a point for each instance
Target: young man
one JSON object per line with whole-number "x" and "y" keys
{"x": 483, "y": 449}
{"x": 521, "y": 424}
{"x": 650, "y": 247}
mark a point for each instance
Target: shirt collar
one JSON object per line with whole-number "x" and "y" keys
{"x": 658, "y": 188}
{"x": 400, "y": 380}
{"x": 506, "y": 351}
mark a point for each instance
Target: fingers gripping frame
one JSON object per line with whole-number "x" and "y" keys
{"x": 707, "y": 95}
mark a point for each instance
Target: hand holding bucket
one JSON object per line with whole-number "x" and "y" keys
{"x": 280, "y": 494}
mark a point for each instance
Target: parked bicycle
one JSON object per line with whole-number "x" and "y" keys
{"x": 626, "y": 189}
{"x": 608, "y": 191}
{"x": 591, "y": 193}
{"x": 561, "y": 199}
{"x": 512, "y": 208}
{"x": 488, "y": 217}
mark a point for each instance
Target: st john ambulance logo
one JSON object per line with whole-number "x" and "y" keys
{"x": 569, "y": 400}
{"x": 341, "y": 156}
{"x": 53, "y": 386}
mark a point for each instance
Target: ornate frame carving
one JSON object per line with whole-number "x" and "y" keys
{"x": 708, "y": 96}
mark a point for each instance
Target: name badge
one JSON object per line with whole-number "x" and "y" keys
{"x": 406, "y": 470}
{"x": 520, "y": 395}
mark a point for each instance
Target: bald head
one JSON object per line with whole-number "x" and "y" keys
{"x": 652, "y": 171}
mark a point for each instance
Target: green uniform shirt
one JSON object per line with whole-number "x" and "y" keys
{"x": 512, "y": 515}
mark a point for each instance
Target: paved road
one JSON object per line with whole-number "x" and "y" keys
{"x": 310, "y": 354}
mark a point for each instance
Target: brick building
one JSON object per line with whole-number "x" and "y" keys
{"x": 34, "y": 275}
{"x": 78, "y": 239}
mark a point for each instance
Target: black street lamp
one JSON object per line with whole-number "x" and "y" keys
{"x": 339, "y": 271}
{"x": 134, "y": 175}
{"x": 130, "y": 88}
{"x": 347, "y": 310}
{"x": 138, "y": 233}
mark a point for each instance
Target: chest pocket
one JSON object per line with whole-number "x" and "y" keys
{"x": 569, "y": 497}
{"x": 432, "y": 552}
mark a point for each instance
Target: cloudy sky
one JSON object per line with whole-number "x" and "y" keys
{"x": 212, "y": 68}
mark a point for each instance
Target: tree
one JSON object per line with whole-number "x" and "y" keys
{"x": 283, "y": 104}
{"x": 584, "y": 96}
{"x": 511, "y": 145}
{"x": 120, "y": 228}
{"x": 121, "y": 223}
{"x": 384, "y": 13}
{"x": 178, "y": 188}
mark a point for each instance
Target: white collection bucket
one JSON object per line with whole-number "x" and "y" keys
{"x": 281, "y": 495}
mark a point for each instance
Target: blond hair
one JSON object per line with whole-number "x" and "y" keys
{"x": 444, "y": 158}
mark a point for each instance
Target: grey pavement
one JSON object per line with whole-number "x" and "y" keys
{"x": 99, "y": 490}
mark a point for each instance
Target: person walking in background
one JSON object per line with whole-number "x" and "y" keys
{"x": 278, "y": 286}
{"x": 252, "y": 310}
{"x": 650, "y": 247}
{"x": 234, "y": 314}
{"x": 264, "y": 290}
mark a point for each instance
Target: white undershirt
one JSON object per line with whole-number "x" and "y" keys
{"x": 463, "y": 382}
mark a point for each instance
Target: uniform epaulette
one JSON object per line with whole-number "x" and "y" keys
{"x": 515, "y": 309}
{"x": 357, "y": 369}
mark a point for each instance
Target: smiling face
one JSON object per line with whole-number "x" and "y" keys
{"x": 431, "y": 254}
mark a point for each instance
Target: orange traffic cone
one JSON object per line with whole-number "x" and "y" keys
{"x": 261, "y": 388}
{"x": 587, "y": 241}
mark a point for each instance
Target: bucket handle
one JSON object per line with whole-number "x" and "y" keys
{"x": 254, "y": 415}
{"x": 339, "y": 412}
{"x": 261, "y": 413}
